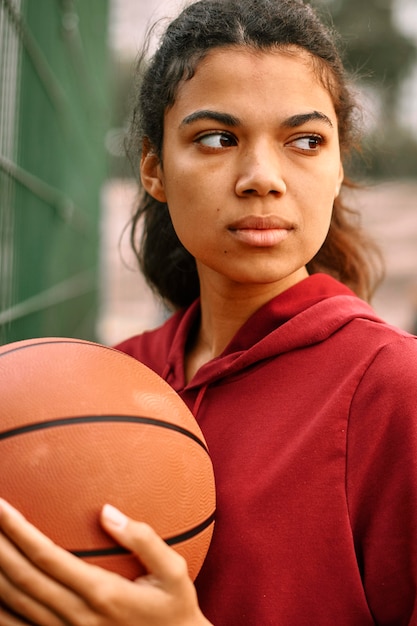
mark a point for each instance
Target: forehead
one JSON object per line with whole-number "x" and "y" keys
{"x": 243, "y": 78}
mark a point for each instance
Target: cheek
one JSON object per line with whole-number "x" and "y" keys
{"x": 316, "y": 220}
{"x": 183, "y": 227}
{"x": 190, "y": 205}
{"x": 187, "y": 222}
{"x": 322, "y": 219}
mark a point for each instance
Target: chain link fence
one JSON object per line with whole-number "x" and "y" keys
{"x": 54, "y": 111}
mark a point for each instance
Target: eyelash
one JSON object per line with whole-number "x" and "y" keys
{"x": 223, "y": 134}
{"x": 318, "y": 141}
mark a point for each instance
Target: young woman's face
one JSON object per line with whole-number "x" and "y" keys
{"x": 250, "y": 165}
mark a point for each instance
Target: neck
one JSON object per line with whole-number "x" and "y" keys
{"x": 224, "y": 310}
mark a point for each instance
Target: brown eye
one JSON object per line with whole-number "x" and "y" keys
{"x": 308, "y": 143}
{"x": 217, "y": 140}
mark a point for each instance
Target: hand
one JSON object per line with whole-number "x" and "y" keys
{"x": 48, "y": 586}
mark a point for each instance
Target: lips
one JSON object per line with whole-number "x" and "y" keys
{"x": 258, "y": 222}
{"x": 259, "y": 231}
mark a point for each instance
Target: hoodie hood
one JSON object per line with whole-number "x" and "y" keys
{"x": 305, "y": 314}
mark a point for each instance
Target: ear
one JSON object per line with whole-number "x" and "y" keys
{"x": 151, "y": 172}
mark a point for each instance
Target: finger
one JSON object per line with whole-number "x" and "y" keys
{"x": 50, "y": 558}
{"x": 29, "y": 610}
{"x": 69, "y": 587}
{"x": 7, "y": 619}
{"x": 43, "y": 571}
{"x": 158, "y": 558}
{"x": 27, "y": 590}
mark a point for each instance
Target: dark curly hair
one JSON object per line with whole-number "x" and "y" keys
{"x": 347, "y": 253}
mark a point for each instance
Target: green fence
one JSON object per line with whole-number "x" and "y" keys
{"x": 53, "y": 118}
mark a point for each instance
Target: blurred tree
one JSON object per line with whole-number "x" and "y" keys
{"x": 374, "y": 45}
{"x": 375, "y": 51}
{"x": 381, "y": 57}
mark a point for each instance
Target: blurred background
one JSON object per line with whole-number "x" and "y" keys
{"x": 67, "y": 192}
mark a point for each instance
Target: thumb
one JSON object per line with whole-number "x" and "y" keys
{"x": 114, "y": 520}
{"x": 152, "y": 551}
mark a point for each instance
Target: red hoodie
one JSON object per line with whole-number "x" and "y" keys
{"x": 310, "y": 415}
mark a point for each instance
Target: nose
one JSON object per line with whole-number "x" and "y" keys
{"x": 260, "y": 172}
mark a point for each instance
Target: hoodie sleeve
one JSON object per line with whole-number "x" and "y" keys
{"x": 382, "y": 481}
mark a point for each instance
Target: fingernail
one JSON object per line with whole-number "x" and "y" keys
{"x": 114, "y": 517}
{"x": 6, "y": 507}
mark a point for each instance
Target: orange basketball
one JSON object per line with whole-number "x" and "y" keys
{"x": 82, "y": 425}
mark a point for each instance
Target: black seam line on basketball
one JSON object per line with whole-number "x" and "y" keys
{"x": 171, "y": 541}
{"x": 83, "y": 419}
{"x": 70, "y": 341}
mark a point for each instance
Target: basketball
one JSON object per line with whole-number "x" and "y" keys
{"x": 81, "y": 425}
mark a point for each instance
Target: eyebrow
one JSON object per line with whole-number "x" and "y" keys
{"x": 206, "y": 114}
{"x": 230, "y": 120}
{"x": 302, "y": 118}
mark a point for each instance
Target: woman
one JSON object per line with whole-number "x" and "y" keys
{"x": 307, "y": 400}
